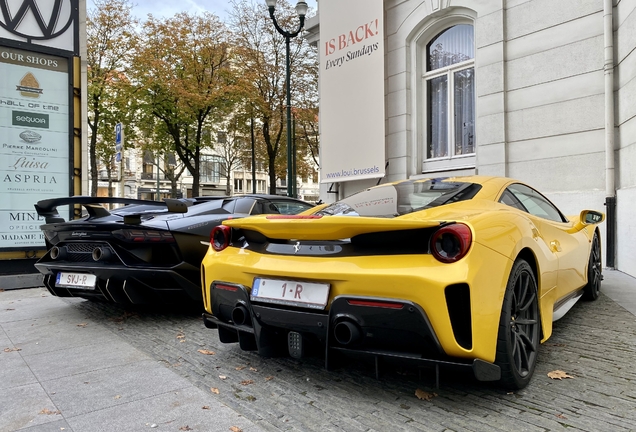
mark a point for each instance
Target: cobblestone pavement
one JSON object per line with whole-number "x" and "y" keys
{"x": 595, "y": 343}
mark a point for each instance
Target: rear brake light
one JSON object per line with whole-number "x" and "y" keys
{"x": 225, "y": 287}
{"x": 293, "y": 217}
{"x": 451, "y": 243}
{"x": 144, "y": 236}
{"x": 220, "y": 237}
{"x": 375, "y": 303}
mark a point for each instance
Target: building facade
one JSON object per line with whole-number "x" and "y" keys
{"x": 537, "y": 90}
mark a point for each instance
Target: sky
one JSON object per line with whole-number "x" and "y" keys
{"x": 168, "y": 8}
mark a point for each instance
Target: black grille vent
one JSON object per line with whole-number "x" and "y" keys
{"x": 82, "y": 247}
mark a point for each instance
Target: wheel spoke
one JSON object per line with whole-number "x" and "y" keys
{"x": 522, "y": 358}
{"x": 527, "y": 304}
{"x": 527, "y": 343}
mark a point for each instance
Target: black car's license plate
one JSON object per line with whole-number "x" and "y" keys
{"x": 75, "y": 280}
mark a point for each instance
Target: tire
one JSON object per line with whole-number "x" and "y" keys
{"x": 519, "y": 328}
{"x": 594, "y": 271}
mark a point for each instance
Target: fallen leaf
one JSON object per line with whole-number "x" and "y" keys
{"x": 240, "y": 367}
{"x": 206, "y": 352}
{"x": 269, "y": 378}
{"x": 247, "y": 382}
{"x": 82, "y": 325}
{"x": 222, "y": 377}
{"x": 49, "y": 412}
{"x": 561, "y": 416}
{"x": 205, "y": 407}
{"x": 180, "y": 336}
{"x": 423, "y": 395}
{"x": 117, "y": 397}
{"x": 1, "y": 290}
{"x": 559, "y": 374}
{"x": 185, "y": 428}
{"x": 9, "y": 309}
{"x": 253, "y": 369}
{"x": 12, "y": 349}
{"x": 236, "y": 429}
{"x": 214, "y": 390}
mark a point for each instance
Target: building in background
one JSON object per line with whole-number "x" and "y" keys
{"x": 537, "y": 90}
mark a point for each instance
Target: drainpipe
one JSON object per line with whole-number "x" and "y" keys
{"x": 610, "y": 188}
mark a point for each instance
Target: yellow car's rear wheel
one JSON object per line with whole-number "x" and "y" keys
{"x": 519, "y": 328}
{"x": 594, "y": 269}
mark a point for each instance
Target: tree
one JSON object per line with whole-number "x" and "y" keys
{"x": 156, "y": 141}
{"x": 110, "y": 29}
{"x": 260, "y": 54}
{"x": 184, "y": 80}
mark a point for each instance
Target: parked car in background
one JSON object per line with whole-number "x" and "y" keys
{"x": 143, "y": 252}
{"x": 464, "y": 272}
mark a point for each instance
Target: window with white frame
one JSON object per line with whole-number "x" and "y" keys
{"x": 449, "y": 86}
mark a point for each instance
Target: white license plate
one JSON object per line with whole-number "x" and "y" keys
{"x": 293, "y": 293}
{"x": 75, "y": 280}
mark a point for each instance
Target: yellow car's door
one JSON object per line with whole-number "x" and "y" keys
{"x": 557, "y": 233}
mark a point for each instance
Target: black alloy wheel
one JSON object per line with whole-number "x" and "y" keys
{"x": 519, "y": 328}
{"x": 594, "y": 271}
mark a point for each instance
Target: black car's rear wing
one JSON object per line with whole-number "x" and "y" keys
{"x": 48, "y": 207}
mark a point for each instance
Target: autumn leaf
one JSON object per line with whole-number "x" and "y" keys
{"x": 247, "y": 382}
{"x": 205, "y": 407}
{"x": 253, "y": 369}
{"x": 269, "y": 378}
{"x": 423, "y": 395}
{"x": 49, "y": 412}
{"x": 82, "y": 325}
{"x": 206, "y": 352}
{"x": 12, "y": 349}
{"x": 222, "y": 377}
{"x": 236, "y": 429}
{"x": 9, "y": 309}
{"x": 180, "y": 336}
{"x": 561, "y": 416}
{"x": 558, "y": 374}
{"x": 117, "y": 397}
{"x": 214, "y": 390}
{"x": 185, "y": 428}
{"x": 240, "y": 367}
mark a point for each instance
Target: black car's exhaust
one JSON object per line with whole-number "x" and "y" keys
{"x": 241, "y": 316}
{"x": 101, "y": 254}
{"x": 58, "y": 252}
{"x": 347, "y": 332}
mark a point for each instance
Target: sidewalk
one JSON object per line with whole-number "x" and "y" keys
{"x": 62, "y": 371}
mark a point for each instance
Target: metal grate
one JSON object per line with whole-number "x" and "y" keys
{"x": 82, "y": 247}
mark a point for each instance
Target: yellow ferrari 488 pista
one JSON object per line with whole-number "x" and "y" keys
{"x": 464, "y": 272}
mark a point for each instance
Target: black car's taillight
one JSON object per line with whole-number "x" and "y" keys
{"x": 451, "y": 243}
{"x": 144, "y": 236}
{"x": 220, "y": 237}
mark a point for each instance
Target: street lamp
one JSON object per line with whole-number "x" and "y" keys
{"x": 301, "y": 10}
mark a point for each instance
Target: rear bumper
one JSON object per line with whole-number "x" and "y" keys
{"x": 389, "y": 328}
{"x": 126, "y": 285}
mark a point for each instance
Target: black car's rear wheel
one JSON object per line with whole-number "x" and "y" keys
{"x": 519, "y": 328}
{"x": 594, "y": 271}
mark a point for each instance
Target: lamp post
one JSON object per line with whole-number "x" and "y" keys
{"x": 301, "y": 10}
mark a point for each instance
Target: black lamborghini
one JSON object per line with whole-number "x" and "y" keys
{"x": 143, "y": 252}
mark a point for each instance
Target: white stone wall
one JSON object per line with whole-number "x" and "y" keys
{"x": 625, "y": 119}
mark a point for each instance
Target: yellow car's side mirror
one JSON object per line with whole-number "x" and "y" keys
{"x": 591, "y": 217}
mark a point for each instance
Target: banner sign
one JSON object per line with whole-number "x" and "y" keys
{"x": 34, "y": 141}
{"x": 352, "y": 118}
{"x": 44, "y": 23}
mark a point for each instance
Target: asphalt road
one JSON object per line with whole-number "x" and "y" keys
{"x": 595, "y": 344}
